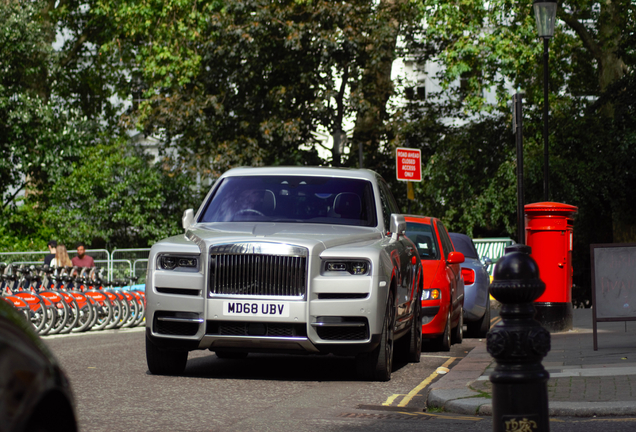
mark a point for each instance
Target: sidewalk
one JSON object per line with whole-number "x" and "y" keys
{"x": 583, "y": 382}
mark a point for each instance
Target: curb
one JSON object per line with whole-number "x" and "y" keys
{"x": 452, "y": 393}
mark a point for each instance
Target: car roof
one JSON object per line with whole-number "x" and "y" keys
{"x": 303, "y": 170}
{"x": 428, "y": 220}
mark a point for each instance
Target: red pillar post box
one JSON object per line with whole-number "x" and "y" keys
{"x": 549, "y": 233}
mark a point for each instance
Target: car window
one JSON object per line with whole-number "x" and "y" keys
{"x": 447, "y": 245}
{"x": 424, "y": 238}
{"x": 465, "y": 245}
{"x": 295, "y": 199}
{"x": 388, "y": 203}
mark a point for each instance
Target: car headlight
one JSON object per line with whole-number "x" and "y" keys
{"x": 354, "y": 267}
{"x": 170, "y": 262}
{"x": 431, "y": 294}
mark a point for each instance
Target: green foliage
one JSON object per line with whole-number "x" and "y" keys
{"x": 116, "y": 197}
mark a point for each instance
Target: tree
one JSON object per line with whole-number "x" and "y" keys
{"x": 115, "y": 196}
{"x": 37, "y": 136}
{"x": 493, "y": 45}
{"x": 251, "y": 81}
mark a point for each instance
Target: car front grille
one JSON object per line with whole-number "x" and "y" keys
{"x": 252, "y": 270}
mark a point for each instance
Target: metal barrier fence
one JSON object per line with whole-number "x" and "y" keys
{"x": 492, "y": 248}
{"x": 119, "y": 264}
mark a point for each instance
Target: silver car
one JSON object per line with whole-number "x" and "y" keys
{"x": 476, "y": 283}
{"x": 287, "y": 260}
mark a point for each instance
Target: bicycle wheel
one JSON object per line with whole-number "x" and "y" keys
{"x": 61, "y": 310}
{"x": 141, "y": 314}
{"x": 85, "y": 318}
{"x": 104, "y": 309}
{"x": 125, "y": 310}
{"x": 133, "y": 306}
{"x": 117, "y": 312}
{"x": 73, "y": 317}
{"x": 51, "y": 316}
{"x": 37, "y": 316}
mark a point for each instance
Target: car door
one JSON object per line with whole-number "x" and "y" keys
{"x": 453, "y": 271}
{"x": 402, "y": 253}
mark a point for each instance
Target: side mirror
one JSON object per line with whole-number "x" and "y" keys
{"x": 455, "y": 258}
{"x": 187, "y": 219}
{"x": 487, "y": 261}
{"x": 398, "y": 226}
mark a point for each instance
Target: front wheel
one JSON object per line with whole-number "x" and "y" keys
{"x": 165, "y": 362}
{"x": 378, "y": 364}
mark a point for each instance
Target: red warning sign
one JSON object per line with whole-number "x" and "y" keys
{"x": 409, "y": 164}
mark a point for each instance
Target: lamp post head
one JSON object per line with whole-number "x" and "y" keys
{"x": 545, "y": 14}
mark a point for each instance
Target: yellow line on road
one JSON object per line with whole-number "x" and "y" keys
{"x": 423, "y": 384}
{"x": 390, "y": 400}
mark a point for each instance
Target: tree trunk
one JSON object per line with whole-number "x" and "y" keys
{"x": 376, "y": 86}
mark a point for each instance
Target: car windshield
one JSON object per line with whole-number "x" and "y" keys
{"x": 464, "y": 244}
{"x": 324, "y": 200}
{"x": 424, "y": 238}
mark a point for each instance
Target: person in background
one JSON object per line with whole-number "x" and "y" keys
{"x": 52, "y": 245}
{"x": 82, "y": 260}
{"x": 61, "y": 257}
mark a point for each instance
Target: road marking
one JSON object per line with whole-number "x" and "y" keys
{"x": 392, "y": 398}
{"x": 408, "y": 397}
{"x": 495, "y": 320}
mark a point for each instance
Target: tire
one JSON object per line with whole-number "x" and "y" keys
{"x": 480, "y": 328}
{"x": 230, "y": 355}
{"x": 85, "y": 318}
{"x": 125, "y": 312}
{"x": 443, "y": 342}
{"x": 415, "y": 341}
{"x": 117, "y": 312}
{"x": 165, "y": 362}
{"x": 73, "y": 317}
{"x": 378, "y": 364}
{"x": 62, "y": 311}
{"x": 133, "y": 307}
{"x": 51, "y": 316}
{"x": 409, "y": 347}
{"x": 141, "y": 314}
{"x": 104, "y": 314}
{"x": 458, "y": 332}
{"x": 38, "y": 317}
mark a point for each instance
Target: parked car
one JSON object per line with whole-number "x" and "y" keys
{"x": 35, "y": 394}
{"x": 443, "y": 293}
{"x": 476, "y": 283}
{"x": 289, "y": 260}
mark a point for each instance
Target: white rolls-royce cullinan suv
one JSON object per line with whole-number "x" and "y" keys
{"x": 288, "y": 260}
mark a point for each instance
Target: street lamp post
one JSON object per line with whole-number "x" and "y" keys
{"x": 545, "y": 14}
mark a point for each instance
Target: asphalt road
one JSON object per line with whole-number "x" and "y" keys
{"x": 115, "y": 392}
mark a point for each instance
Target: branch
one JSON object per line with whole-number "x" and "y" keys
{"x": 586, "y": 37}
{"x": 12, "y": 197}
{"x": 72, "y": 54}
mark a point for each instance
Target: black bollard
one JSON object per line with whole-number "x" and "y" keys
{"x": 518, "y": 343}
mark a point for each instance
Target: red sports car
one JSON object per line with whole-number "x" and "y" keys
{"x": 443, "y": 294}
